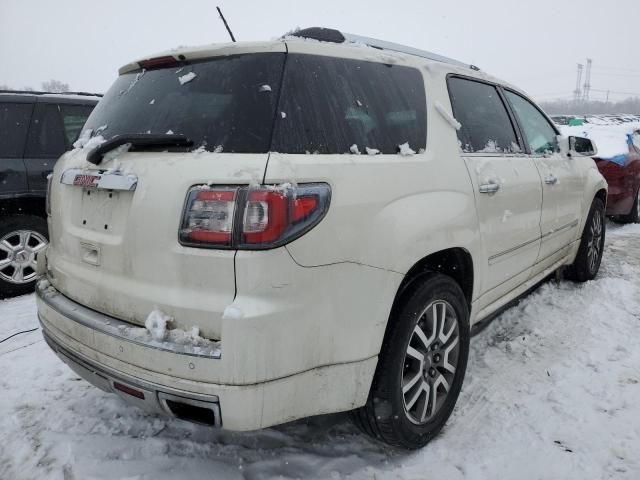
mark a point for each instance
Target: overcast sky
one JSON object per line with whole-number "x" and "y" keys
{"x": 534, "y": 44}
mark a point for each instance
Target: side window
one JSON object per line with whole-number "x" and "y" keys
{"x": 538, "y": 132}
{"x": 46, "y": 135}
{"x": 14, "y": 124}
{"x": 73, "y": 119}
{"x": 486, "y": 126}
{"x": 329, "y": 104}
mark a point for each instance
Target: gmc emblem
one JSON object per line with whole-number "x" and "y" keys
{"x": 86, "y": 180}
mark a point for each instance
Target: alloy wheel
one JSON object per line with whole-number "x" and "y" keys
{"x": 430, "y": 362}
{"x": 18, "y": 251}
{"x": 595, "y": 241}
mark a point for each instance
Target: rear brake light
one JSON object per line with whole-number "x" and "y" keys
{"x": 158, "y": 62}
{"x": 251, "y": 218}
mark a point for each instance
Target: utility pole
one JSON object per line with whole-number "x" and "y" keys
{"x": 576, "y": 92}
{"x": 587, "y": 82}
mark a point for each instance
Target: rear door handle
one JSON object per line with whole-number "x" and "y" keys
{"x": 489, "y": 187}
{"x": 551, "y": 179}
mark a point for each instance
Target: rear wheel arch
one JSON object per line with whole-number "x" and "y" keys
{"x": 602, "y": 195}
{"x": 456, "y": 263}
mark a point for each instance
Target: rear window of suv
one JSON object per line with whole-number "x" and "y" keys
{"x": 230, "y": 104}
{"x": 226, "y": 103}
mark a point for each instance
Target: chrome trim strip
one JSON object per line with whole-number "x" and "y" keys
{"x": 107, "y": 324}
{"x": 522, "y": 245}
{"x": 99, "y": 179}
{"x": 558, "y": 230}
{"x": 513, "y": 249}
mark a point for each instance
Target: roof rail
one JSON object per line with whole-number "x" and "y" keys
{"x": 336, "y": 36}
{"x": 36, "y": 92}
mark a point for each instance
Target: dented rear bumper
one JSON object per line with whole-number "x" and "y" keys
{"x": 279, "y": 360}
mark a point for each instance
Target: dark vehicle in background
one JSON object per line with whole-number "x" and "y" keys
{"x": 623, "y": 177}
{"x": 35, "y": 129}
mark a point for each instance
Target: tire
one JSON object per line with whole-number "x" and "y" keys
{"x": 406, "y": 417}
{"x": 587, "y": 263}
{"x": 634, "y": 215}
{"x": 21, "y": 238}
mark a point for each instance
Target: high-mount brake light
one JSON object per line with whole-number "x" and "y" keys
{"x": 158, "y": 62}
{"x": 251, "y": 218}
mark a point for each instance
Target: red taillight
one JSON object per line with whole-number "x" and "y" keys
{"x": 265, "y": 216}
{"x": 303, "y": 207}
{"x": 270, "y": 216}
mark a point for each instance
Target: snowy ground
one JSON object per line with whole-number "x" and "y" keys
{"x": 552, "y": 391}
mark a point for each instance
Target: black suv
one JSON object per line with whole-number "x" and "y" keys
{"x": 35, "y": 129}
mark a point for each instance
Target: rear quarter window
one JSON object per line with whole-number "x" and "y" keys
{"x": 485, "y": 124}
{"x": 330, "y": 104}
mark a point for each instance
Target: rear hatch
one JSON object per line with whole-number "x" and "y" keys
{"x": 114, "y": 241}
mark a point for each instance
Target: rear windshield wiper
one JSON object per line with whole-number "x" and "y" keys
{"x": 138, "y": 141}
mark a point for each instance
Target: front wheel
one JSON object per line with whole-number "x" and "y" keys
{"x": 587, "y": 263}
{"x": 421, "y": 365}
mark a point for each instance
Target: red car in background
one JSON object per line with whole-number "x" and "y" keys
{"x": 623, "y": 176}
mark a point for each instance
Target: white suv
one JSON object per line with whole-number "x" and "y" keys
{"x": 251, "y": 233}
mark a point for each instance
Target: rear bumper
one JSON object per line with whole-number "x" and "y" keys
{"x": 91, "y": 344}
{"x": 151, "y": 397}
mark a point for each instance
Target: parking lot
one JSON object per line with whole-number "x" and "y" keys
{"x": 551, "y": 392}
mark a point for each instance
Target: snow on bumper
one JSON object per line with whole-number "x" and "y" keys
{"x": 282, "y": 358}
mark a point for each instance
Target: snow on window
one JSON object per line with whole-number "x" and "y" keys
{"x": 490, "y": 147}
{"x": 283, "y": 114}
{"x": 169, "y": 132}
{"x": 187, "y": 78}
{"x": 89, "y": 142}
{"x": 218, "y": 149}
{"x": 372, "y": 151}
{"x": 405, "y": 149}
{"x": 133, "y": 82}
{"x": 354, "y": 149}
{"x": 264, "y": 88}
{"x": 153, "y": 100}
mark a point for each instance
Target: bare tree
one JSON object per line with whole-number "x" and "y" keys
{"x": 55, "y": 86}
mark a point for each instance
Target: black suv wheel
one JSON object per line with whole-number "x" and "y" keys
{"x": 22, "y": 237}
{"x": 587, "y": 263}
{"x": 421, "y": 366}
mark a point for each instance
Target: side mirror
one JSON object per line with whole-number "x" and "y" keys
{"x": 582, "y": 147}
